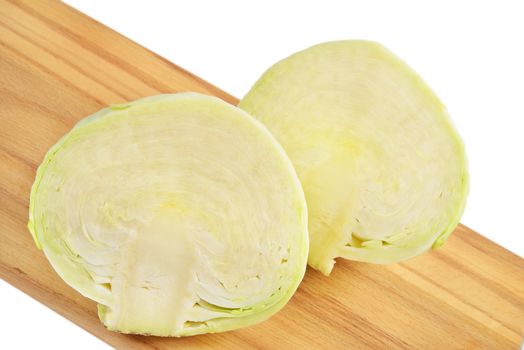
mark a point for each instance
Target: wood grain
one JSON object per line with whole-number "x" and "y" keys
{"x": 57, "y": 66}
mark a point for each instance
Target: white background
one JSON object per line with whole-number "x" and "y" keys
{"x": 470, "y": 52}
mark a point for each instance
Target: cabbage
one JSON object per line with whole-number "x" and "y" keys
{"x": 383, "y": 169}
{"x": 178, "y": 214}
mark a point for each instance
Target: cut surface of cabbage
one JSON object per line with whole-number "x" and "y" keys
{"x": 383, "y": 168}
{"x": 178, "y": 214}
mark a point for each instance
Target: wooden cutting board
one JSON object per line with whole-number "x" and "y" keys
{"x": 57, "y": 66}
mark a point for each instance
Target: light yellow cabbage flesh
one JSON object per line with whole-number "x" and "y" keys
{"x": 383, "y": 169}
{"x": 178, "y": 214}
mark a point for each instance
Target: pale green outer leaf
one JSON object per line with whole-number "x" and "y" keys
{"x": 382, "y": 166}
{"x": 179, "y": 214}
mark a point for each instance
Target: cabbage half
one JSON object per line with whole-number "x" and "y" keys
{"x": 383, "y": 169}
{"x": 178, "y": 214}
